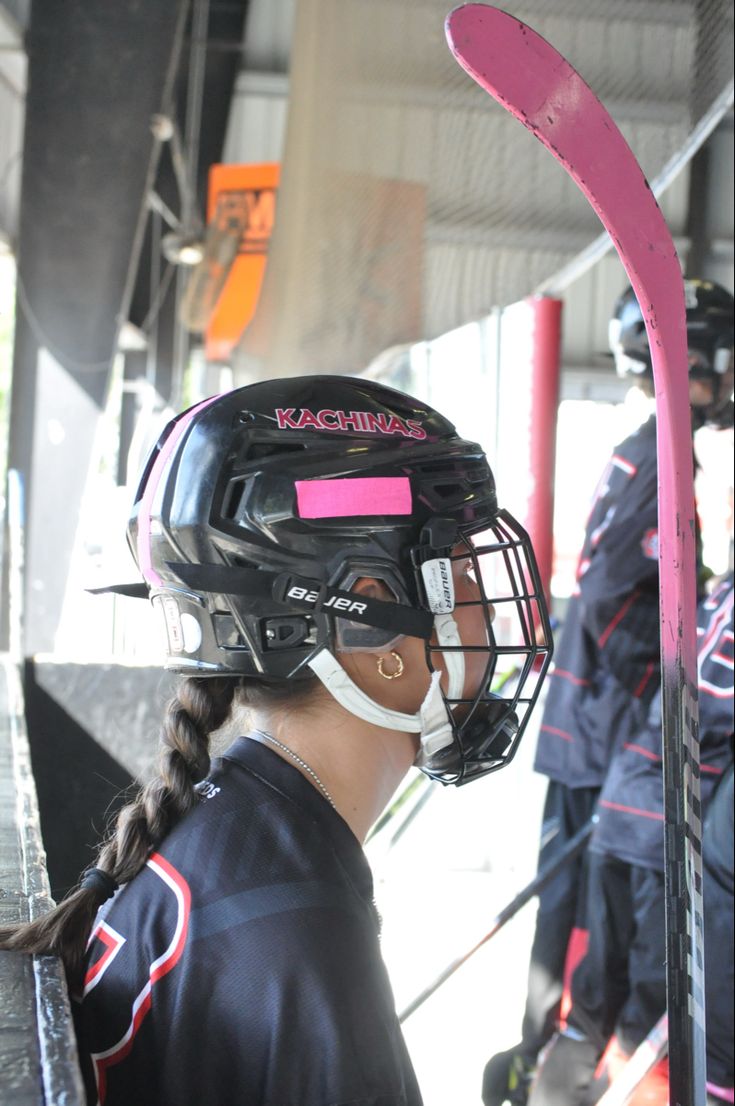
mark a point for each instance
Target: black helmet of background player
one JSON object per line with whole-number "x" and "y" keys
{"x": 260, "y": 508}
{"x": 709, "y": 321}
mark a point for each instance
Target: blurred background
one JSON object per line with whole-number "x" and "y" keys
{"x": 197, "y": 194}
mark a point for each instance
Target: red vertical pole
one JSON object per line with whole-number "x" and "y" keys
{"x": 545, "y": 369}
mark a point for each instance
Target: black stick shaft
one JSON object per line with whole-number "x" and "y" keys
{"x": 684, "y": 922}
{"x": 574, "y": 846}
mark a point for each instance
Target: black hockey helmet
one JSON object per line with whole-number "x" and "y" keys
{"x": 259, "y": 509}
{"x": 709, "y": 323}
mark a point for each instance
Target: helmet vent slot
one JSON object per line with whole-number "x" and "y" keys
{"x": 236, "y": 490}
{"x": 448, "y": 491}
{"x": 257, "y": 451}
{"x": 233, "y": 499}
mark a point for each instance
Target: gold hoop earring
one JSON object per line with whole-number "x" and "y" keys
{"x": 399, "y": 670}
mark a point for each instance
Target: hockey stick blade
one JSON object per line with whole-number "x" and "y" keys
{"x": 541, "y": 89}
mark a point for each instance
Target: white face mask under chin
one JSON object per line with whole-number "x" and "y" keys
{"x": 431, "y": 722}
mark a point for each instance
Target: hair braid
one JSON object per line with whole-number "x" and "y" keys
{"x": 200, "y": 707}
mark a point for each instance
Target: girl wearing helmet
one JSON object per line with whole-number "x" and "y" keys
{"x": 327, "y": 555}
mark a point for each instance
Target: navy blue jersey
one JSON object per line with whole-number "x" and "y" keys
{"x": 631, "y": 808}
{"x": 242, "y": 964}
{"x": 607, "y": 662}
{"x": 718, "y": 839}
{"x": 717, "y": 891}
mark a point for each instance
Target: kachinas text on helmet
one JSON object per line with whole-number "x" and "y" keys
{"x": 361, "y": 421}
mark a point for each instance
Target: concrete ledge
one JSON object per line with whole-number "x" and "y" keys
{"x": 93, "y": 730}
{"x": 119, "y": 706}
{"x": 38, "y": 1054}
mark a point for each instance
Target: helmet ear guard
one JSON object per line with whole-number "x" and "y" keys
{"x": 357, "y": 637}
{"x": 261, "y": 510}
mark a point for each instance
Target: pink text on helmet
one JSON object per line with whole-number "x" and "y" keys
{"x": 361, "y": 421}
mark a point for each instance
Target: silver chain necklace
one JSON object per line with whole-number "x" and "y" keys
{"x": 307, "y": 768}
{"x": 301, "y": 762}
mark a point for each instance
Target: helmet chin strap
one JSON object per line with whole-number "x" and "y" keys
{"x": 432, "y": 721}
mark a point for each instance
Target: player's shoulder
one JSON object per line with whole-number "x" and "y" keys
{"x": 640, "y": 445}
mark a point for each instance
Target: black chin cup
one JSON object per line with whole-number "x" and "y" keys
{"x": 490, "y": 736}
{"x": 485, "y": 742}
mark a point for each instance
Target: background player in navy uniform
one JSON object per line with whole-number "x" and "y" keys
{"x": 718, "y": 869}
{"x": 618, "y": 991}
{"x": 320, "y": 551}
{"x": 607, "y": 663}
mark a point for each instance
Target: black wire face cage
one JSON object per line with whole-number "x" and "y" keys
{"x": 506, "y": 645}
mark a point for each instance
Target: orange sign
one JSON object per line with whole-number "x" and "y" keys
{"x": 242, "y": 202}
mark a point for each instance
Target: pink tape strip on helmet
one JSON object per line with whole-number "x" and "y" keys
{"x": 144, "y": 511}
{"x": 377, "y": 495}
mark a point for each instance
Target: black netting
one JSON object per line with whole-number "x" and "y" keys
{"x": 411, "y": 202}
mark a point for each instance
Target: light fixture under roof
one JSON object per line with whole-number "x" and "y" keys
{"x": 183, "y": 249}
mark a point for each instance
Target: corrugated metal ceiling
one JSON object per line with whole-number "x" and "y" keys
{"x": 376, "y": 97}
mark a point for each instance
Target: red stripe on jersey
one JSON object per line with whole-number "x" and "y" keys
{"x": 559, "y": 733}
{"x": 569, "y": 676}
{"x": 716, "y": 692}
{"x": 607, "y": 632}
{"x": 579, "y": 941}
{"x": 622, "y": 463}
{"x": 632, "y": 810}
{"x": 644, "y": 682}
{"x": 711, "y": 769}
{"x": 160, "y": 967}
{"x": 113, "y": 942}
{"x": 643, "y": 752}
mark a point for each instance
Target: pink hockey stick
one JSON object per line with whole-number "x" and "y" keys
{"x": 541, "y": 89}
